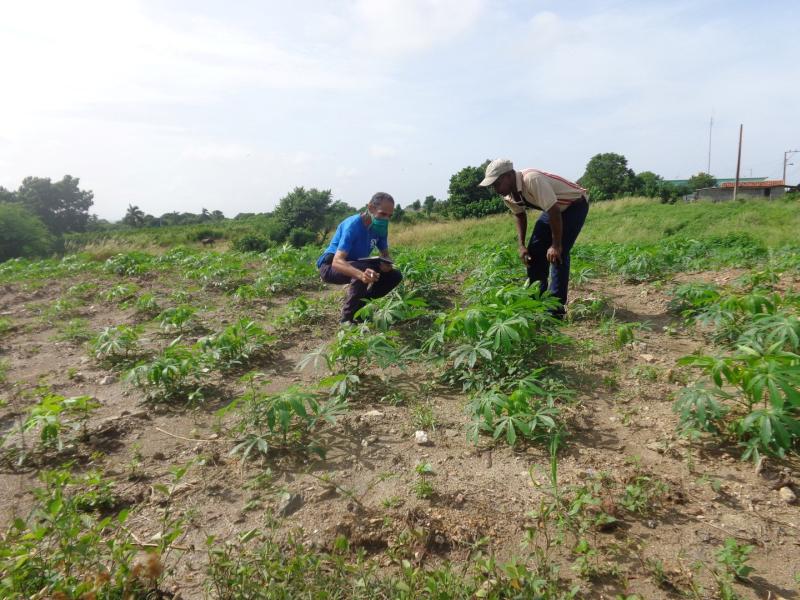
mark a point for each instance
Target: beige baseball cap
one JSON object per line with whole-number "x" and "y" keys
{"x": 496, "y": 168}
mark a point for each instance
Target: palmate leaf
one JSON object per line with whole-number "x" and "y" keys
{"x": 249, "y": 444}
{"x": 505, "y": 332}
{"x": 468, "y": 354}
{"x": 699, "y": 409}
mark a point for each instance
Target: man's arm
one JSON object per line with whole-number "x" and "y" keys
{"x": 556, "y": 226}
{"x": 340, "y": 264}
{"x": 522, "y": 230}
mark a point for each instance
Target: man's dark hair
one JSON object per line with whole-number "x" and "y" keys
{"x": 381, "y": 197}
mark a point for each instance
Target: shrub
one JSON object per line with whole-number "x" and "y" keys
{"x": 299, "y": 237}
{"x": 204, "y": 234}
{"x": 252, "y": 243}
{"x": 22, "y": 233}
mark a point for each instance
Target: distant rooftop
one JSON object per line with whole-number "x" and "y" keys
{"x": 766, "y": 183}
{"x": 720, "y": 182}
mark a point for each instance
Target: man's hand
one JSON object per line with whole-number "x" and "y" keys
{"x": 554, "y": 254}
{"x": 524, "y": 256}
{"x": 369, "y": 276}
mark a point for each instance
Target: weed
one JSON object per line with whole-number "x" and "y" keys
{"x": 625, "y": 333}
{"x": 74, "y": 330}
{"x": 422, "y": 416}
{"x": 5, "y": 326}
{"x": 60, "y": 551}
{"x": 733, "y": 558}
{"x": 645, "y": 373}
{"x": 392, "y": 502}
{"x": 643, "y": 494}
{"x": 422, "y": 486}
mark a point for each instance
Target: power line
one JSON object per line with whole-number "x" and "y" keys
{"x": 786, "y": 162}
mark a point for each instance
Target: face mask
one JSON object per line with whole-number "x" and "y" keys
{"x": 380, "y": 226}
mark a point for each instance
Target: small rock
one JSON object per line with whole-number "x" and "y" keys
{"x": 159, "y": 456}
{"x": 787, "y": 495}
{"x": 648, "y": 358}
{"x": 651, "y": 524}
{"x": 289, "y": 504}
{"x": 107, "y": 380}
{"x": 370, "y": 439}
{"x": 459, "y": 500}
{"x": 421, "y": 438}
{"x": 78, "y": 377}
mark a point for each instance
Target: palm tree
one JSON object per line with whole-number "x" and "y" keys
{"x": 134, "y": 216}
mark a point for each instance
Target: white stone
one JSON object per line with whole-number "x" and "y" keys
{"x": 421, "y": 437}
{"x": 787, "y": 495}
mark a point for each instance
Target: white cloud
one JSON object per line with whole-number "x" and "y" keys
{"x": 217, "y": 151}
{"x": 382, "y": 151}
{"x": 396, "y": 27}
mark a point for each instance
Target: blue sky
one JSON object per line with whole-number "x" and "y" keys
{"x": 181, "y": 105}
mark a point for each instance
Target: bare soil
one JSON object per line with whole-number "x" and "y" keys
{"x": 621, "y": 425}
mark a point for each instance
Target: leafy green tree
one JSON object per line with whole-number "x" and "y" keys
{"x": 430, "y": 202}
{"x": 649, "y": 184}
{"x": 399, "y": 213}
{"x": 337, "y": 212}
{"x": 702, "y": 180}
{"x": 134, "y": 217}
{"x": 416, "y": 205}
{"x": 62, "y": 206}
{"x": 467, "y": 199}
{"x": 22, "y": 233}
{"x": 607, "y": 175}
{"x": 304, "y": 209}
{"x": 6, "y": 195}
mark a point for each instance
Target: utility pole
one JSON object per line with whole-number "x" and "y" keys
{"x": 710, "y": 125}
{"x": 738, "y": 163}
{"x": 786, "y": 162}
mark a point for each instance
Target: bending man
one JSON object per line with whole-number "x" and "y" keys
{"x": 564, "y": 207}
{"x": 355, "y": 238}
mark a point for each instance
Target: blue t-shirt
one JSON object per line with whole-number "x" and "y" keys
{"x": 354, "y": 238}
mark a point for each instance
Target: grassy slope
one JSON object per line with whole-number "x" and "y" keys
{"x": 639, "y": 220}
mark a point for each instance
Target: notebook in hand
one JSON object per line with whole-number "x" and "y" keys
{"x": 375, "y": 261}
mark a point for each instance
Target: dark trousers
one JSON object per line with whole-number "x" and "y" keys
{"x": 542, "y": 238}
{"x": 357, "y": 293}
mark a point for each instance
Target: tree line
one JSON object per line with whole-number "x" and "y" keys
{"x": 35, "y": 218}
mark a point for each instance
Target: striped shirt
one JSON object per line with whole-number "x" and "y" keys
{"x": 543, "y": 191}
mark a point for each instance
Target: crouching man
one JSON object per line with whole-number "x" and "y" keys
{"x": 356, "y": 237}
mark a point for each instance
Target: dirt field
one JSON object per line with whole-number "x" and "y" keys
{"x": 621, "y": 427}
